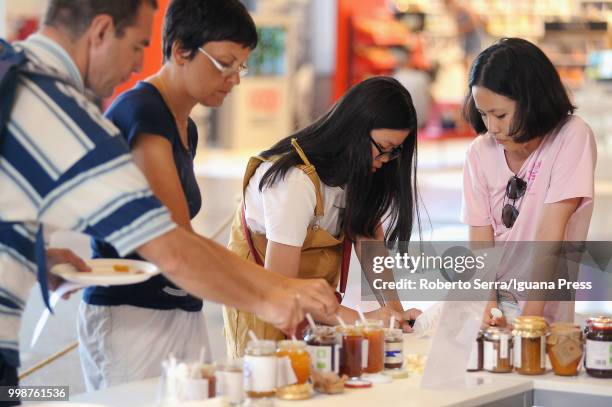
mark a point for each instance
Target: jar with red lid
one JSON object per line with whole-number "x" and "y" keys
{"x": 598, "y": 349}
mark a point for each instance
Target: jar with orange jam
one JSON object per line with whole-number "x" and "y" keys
{"x": 530, "y": 345}
{"x": 565, "y": 346}
{"x": 299, "y": 356}
{"x": 374, "y": 333}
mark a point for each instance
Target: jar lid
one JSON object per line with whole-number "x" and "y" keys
{"x": 393, "y": 332}
{"x": 295, "y": 392}
{"x": 349, "y": 329}
{"x": 564, "y": 330}
{"x": 495, "y": 333}
{"x": 601, "y": 322}
{"x": 357, "y": 384}
{"x": 262, "y": 345}
{"x": 530, "y": 326}
{"x": 320, "y": 333}
{"x": 370, "y": 323}
{"x": 591, "y": 319}
{"x": 291, "y": 344}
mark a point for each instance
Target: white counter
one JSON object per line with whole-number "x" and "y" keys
{"x": 403, "y": 392}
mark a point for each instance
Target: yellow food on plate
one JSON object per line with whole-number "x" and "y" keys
{"x": 121, "y": 268}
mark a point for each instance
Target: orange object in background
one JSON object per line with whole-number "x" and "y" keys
{"x": 152, "y": 56}
{"x": 346, "y": 10}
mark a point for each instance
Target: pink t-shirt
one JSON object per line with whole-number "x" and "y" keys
{"x": 561, "y": 168}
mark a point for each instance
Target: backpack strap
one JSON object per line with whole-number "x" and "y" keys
{"x": 12, "y": 64}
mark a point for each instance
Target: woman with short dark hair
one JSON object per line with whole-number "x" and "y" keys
{"x": 332, "y": 183}
{"x": 529, "y": 175}
{"x": 126, "y": 331}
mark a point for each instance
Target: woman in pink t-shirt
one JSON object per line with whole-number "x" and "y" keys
{"x": 529, "y": 175}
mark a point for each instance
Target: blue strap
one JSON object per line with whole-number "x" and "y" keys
{"x": 41, "y": 264}
{"x": 11, "y": 63}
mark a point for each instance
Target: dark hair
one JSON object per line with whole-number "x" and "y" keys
{"x": 77, "y": 15}
{"x": 338, "y": 144}
{"x": 517, "y": 69}
{"x": 194, "y": 23}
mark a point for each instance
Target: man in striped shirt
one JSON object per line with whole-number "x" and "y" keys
{"x": 65, "y": 166}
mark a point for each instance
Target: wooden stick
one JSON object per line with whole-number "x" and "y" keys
{"x": 49, "y": 360}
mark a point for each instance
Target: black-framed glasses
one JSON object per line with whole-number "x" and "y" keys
{"x": 391, "y": 155}
{"x": 515, "y": 190}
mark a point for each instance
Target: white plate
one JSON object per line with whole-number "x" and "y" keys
{"x": 103, "y": 272}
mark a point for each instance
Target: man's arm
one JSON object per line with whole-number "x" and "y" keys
{"x": 208, "y": 270}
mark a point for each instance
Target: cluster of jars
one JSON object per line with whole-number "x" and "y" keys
{"x": 350, "y": 350}
{"x": 524, "y": 349}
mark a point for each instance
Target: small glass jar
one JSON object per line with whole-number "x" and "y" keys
{"x": 598, "y": 352}
{"x": 230, "y": 381}
{"x": 530, "y": 345}
{"x": 300, "y": 359}
{"x": 497, "y": 350}
{"x": 565, "y": 348}
{"x": 394, "y": 349}
{"x": 475, "y": 363}
{"x": 373, "y": 332}
{"x": 324, "y": 349}
{"x": 208, "y": 373}
{"x": 351, "y": 355}
{"x": 260, "y": 369}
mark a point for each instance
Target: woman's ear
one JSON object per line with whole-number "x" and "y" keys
{"x": 179, "y": 54}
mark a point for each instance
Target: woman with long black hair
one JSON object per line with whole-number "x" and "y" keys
{"x": 328, "y": 186}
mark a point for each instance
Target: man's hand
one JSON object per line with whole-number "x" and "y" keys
{"x": 285, "y": 304}
{"x": 282, "y": 308}
{"x": 315, "y": 296}
{"x": 62, "y": 256}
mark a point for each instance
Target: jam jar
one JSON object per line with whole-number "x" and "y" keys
{"x": 530, "y": 345}
{"x": 351, "y": 355}
{"x": 373, "y": 332}
{"x": 260, "y": 369}
{"x": 394, "y": 348}
{"x": 598, "y": 352}
{"x": 299, "y": 356}
{"x": 565, "y": 348}
{"x": 475, "y": 363}
{"x": 497, "y": 350}
{"x": 324, "y": 348}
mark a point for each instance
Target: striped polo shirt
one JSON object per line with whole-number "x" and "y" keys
{"x": 63, "y": 165}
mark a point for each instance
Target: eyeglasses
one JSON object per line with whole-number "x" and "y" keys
{"x": 391, "y": 155}
{"x": 515, "y": 189}
{"x": 226, "y": 71}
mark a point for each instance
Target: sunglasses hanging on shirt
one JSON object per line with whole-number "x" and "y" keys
{"x": 515, "y": 190}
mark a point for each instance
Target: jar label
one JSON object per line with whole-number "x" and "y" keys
{"x": 364, "y": 354}
{"x": 517, "y": 351}
{"x": 566, "y": 351}
{"x": 503, "y": 346}
{"x": 196, "y": 389}
{"x": 394, "y": 352}
{"x": 324, "y": 358}
{"x": 231, "y": 385}
{"x": 543, "y": 352}
{"x": 259, "y": 373}
{"x": 473, "y": 360}
{"x": 598, "y": 355}
{"x": 490, "y": 356}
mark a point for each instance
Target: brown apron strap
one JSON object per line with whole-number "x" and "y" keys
{"x": 311, "y": 172}
{"x": 344, "y": 268}
{"x": 249, "y": 239}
